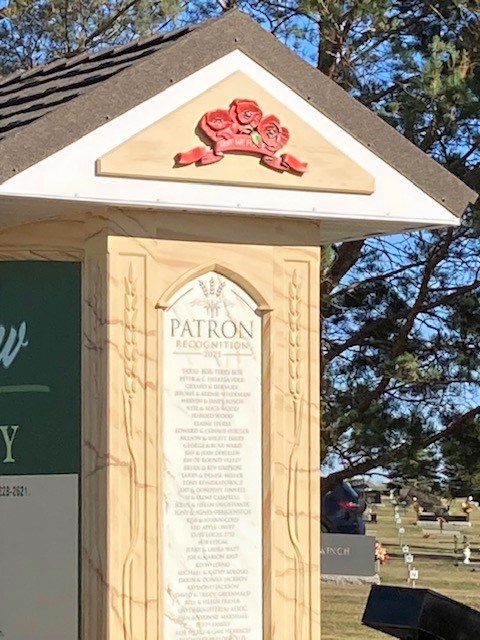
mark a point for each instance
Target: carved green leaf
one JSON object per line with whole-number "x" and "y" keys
{"x": 256, "y": 138}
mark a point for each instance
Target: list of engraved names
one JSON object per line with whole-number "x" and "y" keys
{"x": 212, "y": 515}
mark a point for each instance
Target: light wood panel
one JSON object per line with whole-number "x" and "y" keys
{"x": 143, "y": 273}
{"x": 150, "y": 153}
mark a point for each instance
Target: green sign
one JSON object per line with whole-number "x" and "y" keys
{"x": 40, "y": 329}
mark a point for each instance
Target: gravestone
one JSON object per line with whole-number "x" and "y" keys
{"x": 417, "y": 614}
{"x": 348, "y": 555}
{"x": 373, "y": 496}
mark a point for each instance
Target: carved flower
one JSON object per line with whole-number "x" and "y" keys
{"x": 217, "y": 124}
{"x": 273, "y": 134}
{"x": 247, "y": 113}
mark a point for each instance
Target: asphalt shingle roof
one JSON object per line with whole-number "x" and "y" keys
{"x": 27, "y": 96}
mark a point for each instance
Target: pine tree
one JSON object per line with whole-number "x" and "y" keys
{"x": 401, "y": 329}
{"x": 33, "y": 32}
{"x": 401, "y": 314}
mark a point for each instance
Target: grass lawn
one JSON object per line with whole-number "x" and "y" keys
{"x": 343, "y": 604}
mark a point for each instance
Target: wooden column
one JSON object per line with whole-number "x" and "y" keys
{"x": 126, "y": 292}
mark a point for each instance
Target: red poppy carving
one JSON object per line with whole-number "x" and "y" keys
{"x": 243, "y": 128}
{"x": 217, "y": 124}
{"x": 274, "y": 136}
{"x": 246, "y": 114}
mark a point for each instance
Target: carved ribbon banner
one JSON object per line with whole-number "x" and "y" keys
{"x": 243, "y": 128}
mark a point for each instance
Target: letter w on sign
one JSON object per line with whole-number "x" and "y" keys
{"x": 11, "y": 344}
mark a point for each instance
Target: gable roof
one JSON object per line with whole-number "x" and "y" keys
{"x": 45, "y": 109}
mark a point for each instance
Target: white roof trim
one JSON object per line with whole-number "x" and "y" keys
{"x": 69, "y": 174}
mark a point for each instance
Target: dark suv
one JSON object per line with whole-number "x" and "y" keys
{"x": 342, "y": 510}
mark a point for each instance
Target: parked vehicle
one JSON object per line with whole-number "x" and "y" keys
{"x": 342, "y": 510}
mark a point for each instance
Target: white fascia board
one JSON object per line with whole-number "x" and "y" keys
{"x": 69, "y": 174}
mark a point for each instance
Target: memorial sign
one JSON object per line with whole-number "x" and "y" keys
{"x": 39, "y": 449}
{"x": 195, "y": 178}
{"x": 212, "y": 509}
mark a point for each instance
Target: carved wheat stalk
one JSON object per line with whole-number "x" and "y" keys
{"x": 130, "y": 355}
{"x": 295, "y": 388}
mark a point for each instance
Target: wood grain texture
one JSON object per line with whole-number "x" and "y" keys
{"x": 95, "y": 454}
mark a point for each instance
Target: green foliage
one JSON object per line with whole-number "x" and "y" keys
{"x": 256, "y": 138}
{"x": 461, "y": 454}
{"x": 401, "y": 315}
{"x": 35, "y": 31}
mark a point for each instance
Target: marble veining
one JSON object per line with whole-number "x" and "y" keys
{"x": 212, "y": 537}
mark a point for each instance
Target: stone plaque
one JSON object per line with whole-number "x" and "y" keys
{"x": 212, "y": 481}
{"x": 39, "y": 558}
{"x": 347, "y": 555}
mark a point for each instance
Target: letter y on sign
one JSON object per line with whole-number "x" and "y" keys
{"x": 8, "y": 439}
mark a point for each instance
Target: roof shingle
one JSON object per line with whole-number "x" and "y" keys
{"x": 29, "y": 95}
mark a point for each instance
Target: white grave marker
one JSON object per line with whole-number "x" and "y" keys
{"x": 413, "y": 576}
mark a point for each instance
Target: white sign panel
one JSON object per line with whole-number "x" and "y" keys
{"x": 39, "y": 557}
{"x": 212, "y": 443}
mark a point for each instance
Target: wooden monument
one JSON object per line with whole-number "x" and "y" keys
{"x": 162, "y": 208}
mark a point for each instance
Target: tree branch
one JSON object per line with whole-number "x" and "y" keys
{"x": 391, "y": 456}
{"x": 347, "y": 255}
{"x": 106, "y": 24}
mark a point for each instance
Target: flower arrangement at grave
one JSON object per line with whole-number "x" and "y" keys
{"x": 243, "y": 128}
{"x": 381, "y": 554}
{"x": 467, "y": 506}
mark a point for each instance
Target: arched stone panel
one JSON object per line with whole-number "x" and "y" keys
{"x": 212, "y": 461}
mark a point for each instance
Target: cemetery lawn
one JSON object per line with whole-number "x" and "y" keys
{"x": 343, "y": 604}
